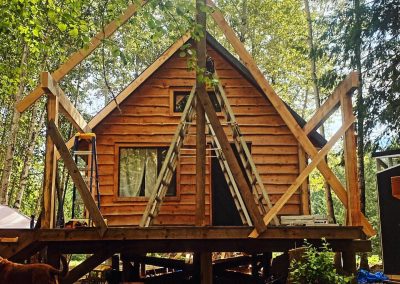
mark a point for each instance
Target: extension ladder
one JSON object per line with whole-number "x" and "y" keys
{"x": 170, "y": 163}
{"x": 169, "y": 166}
{"x": 89, "y": 172}
{"x": 237, "y": 198}
{"x": 257, "y": 186}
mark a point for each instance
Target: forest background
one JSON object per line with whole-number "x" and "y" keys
{"x": 304, "y": 48}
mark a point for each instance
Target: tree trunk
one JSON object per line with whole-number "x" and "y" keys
{"x": 8, "y": 160}
{"x": 33, "y": 130}
{"x": 361, "y": 115}
{"x": 243, "y": 28}
{"x": 328, "y": 193}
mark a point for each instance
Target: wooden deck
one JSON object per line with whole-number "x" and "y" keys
{"x": 139, "y": 241}
{"x": 178, "y": 239}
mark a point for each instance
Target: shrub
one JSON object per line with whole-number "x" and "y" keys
{"x": 316, "y": 267}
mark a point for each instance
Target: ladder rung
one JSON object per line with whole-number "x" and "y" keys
{"x": 82, "y": 152}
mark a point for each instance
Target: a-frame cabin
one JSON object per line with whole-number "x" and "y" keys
{"x": 131, "y": 146}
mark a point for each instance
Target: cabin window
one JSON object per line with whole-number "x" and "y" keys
{"x": 180, "y": 98}
{"x": 138, "y": 171}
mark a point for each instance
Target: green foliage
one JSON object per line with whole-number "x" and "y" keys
{"x": 316, "y": 267}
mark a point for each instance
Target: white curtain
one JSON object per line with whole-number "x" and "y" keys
{"x": 137, "y": 165}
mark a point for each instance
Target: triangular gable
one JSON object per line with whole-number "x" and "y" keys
{"x": 315, "y": 136}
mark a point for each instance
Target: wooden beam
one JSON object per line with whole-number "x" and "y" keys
{"x": 138, "y": 81}
{"x": 347, "y": 86}
{"x": 201, "y": 49}
{"x": 304, "y": 174}
{"x": 180, "y": 233}
{"x": 68, "y": 109}
{"x": 50, "y": 168}
{"x": 350, "y": 159}
{"x": 88, "y": 265}
{"x": 244, "y": 188}
{"x": 81, "y": 54}
{"x": 77, "y": 178}
{"x": 281, "y": 108}
{"x": 305, "y": 194}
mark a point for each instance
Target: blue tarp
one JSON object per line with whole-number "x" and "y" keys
{"x": 363, "y": 276}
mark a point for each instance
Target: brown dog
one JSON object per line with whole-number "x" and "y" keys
{"x": 15, "y": 273}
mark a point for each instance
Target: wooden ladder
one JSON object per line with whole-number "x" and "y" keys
{"x": 170, "y": 162}
{"x": 257, "y": 185}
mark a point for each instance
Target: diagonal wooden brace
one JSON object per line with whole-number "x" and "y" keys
{"x": 81, "y": 54}
{"x": 287, "y": 117}
{"x": 303, "y": 175}
{"x": 77, "y": 178}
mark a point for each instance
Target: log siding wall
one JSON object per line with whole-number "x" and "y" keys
{"x": 146, "y": 120}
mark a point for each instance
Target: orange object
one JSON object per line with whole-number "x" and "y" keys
{"x": 85, "y": 136}
{"x": 396, "y": 186}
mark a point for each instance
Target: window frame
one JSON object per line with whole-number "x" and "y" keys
{"x": 116, "y": 167}
{"x": 172, "y": 90}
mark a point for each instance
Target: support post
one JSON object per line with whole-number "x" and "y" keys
{"x": 202, "y": 267}
{"x": 305, "y": 194}
{"x": 350, "y": 158}
{"x": 349, "y": 262}
{"x": 130, "y": 272}
{"x": 53, "y": 257}
{"x": 266, "y": 264}
{"x": 50, "y": 167}
{"x": 200, "y": 119}
{"x": 206, "y": 268}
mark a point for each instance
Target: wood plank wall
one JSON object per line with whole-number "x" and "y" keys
{"x": 146, "y": 120}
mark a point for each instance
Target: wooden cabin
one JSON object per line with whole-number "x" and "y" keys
{"x": 131, "y": 147}
{"x": 132, "y": 144}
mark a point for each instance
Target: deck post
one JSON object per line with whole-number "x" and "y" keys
{"x": 50, "y": 168}
{"x": 305, "y": 194}
{"x": 254, "y": 265}
{"x": 130, "y": 272}
{"x": 350, "y": 158}
{"x": 349, "y": 262}
{"x": 53, "y": 257}
{"x": 202, "y": 267}
{"x": 266, "y": 264}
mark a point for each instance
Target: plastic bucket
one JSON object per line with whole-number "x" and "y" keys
{"x": 396, "y": 186}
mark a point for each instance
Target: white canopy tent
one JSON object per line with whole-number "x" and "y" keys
{"x": 12, "y": 219}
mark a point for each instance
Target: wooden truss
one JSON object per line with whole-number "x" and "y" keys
{"x": 350, "y": 199}
{"x": 349, "y": 196}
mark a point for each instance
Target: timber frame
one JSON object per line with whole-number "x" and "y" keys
{"x": 198, "y": 239}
